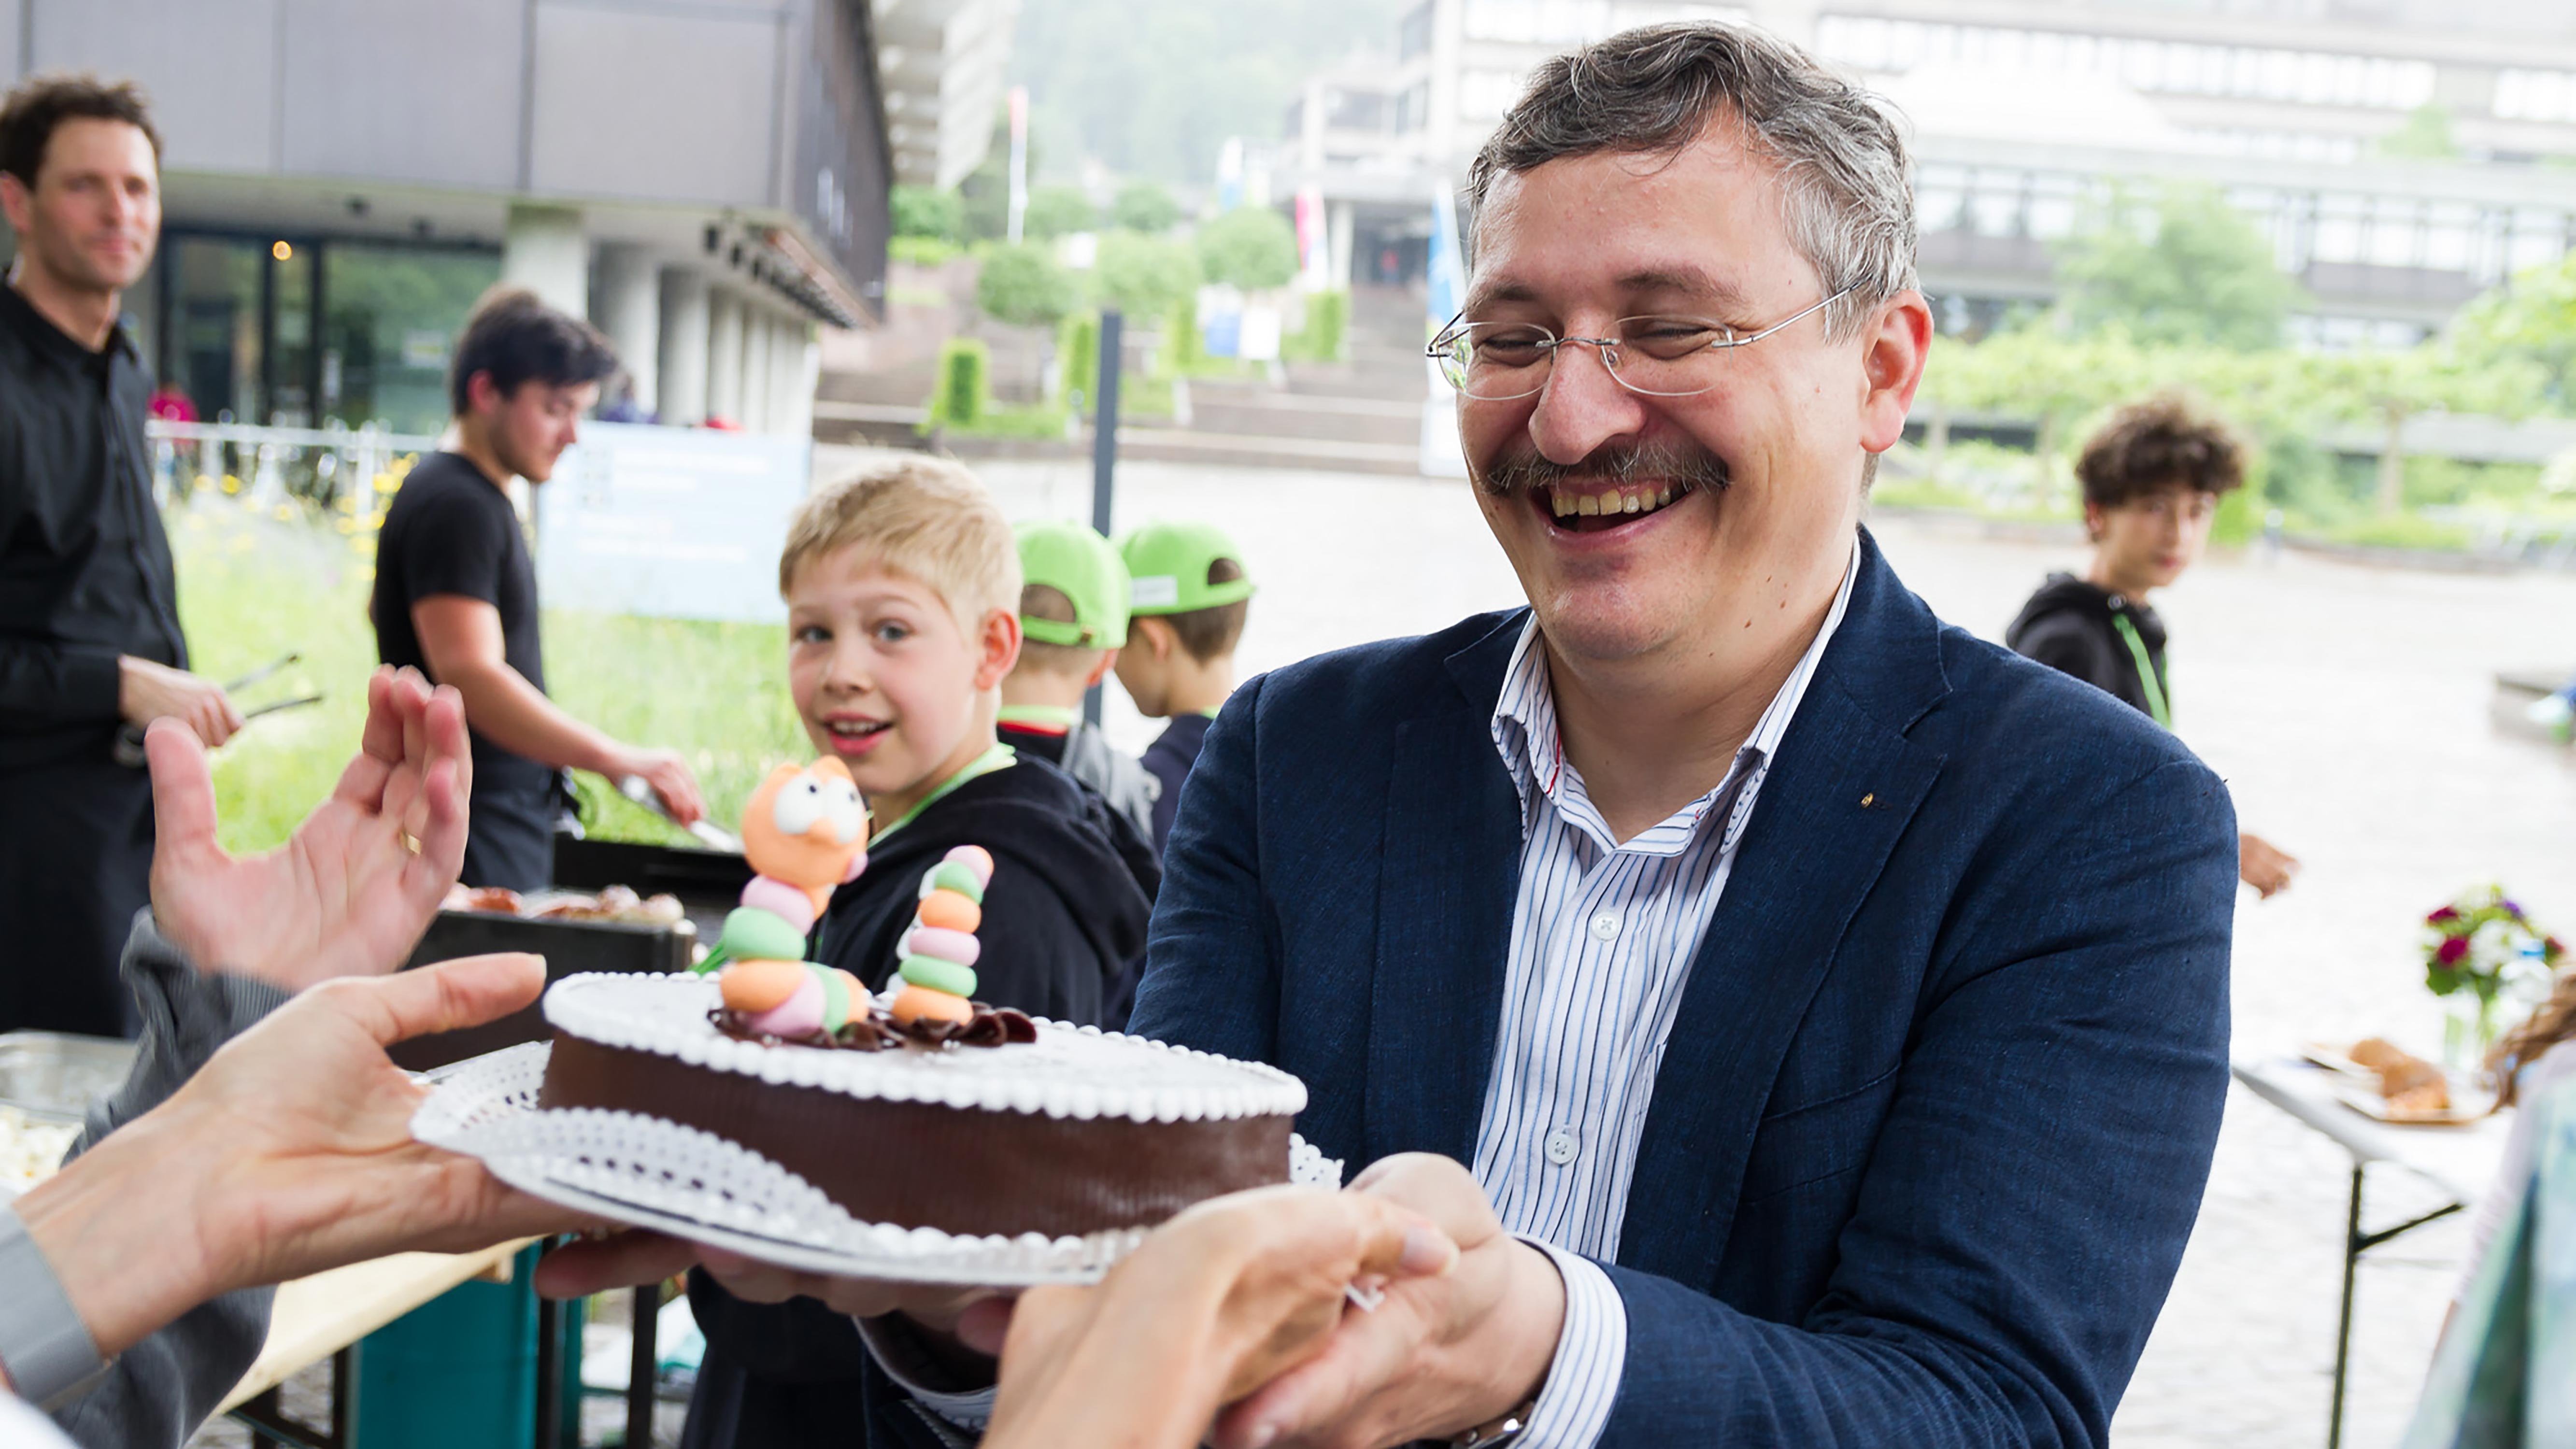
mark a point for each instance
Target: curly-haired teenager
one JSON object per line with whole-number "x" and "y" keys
{"x": 2152, "y": 479}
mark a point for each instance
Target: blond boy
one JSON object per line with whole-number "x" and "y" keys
{"x": 902, "y": 591}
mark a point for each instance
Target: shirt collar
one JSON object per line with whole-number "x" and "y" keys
{"x": 1526, "y": 736}
{"x": 21, "y": 316}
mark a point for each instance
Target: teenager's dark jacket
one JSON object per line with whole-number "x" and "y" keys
{"x": 1063, "y": 931}
{"x": 2068, "y": 626}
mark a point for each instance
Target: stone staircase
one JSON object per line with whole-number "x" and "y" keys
{"x": 1363, "y": 414}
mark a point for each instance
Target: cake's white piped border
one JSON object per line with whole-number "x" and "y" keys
{"x": 655, "y": 1174}
{"x": 1071, "y": 1072}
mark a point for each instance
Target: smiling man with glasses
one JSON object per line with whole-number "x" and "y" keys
{"x": 1821, "y": 1013}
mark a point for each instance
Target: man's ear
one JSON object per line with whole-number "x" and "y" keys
{"x": 1894, "y": 349}
{"x": 482, "y": 394}
{"x": 18, "y": 203}
{"x": 2093, "y": 521}
{"x": 998, "y": 648}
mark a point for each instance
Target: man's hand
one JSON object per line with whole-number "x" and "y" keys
{"x": 1440, "y": 1355}
{"x": 351, "y": 893}
{"x": 2264, "y": 866}
{"x": 290, "y": 1152}
{"x": 669, "y": 776}
{"x": 146, "y": 691}
{"x": 1218, "y": 1301}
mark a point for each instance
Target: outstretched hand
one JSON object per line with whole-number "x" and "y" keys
{"x": 290, "y": 1152}
{"x": 352, "y": 891}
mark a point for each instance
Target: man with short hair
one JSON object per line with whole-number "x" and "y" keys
{"x": 2152, "y": 474}
{"x": 1823, "y": 1012}
{"x": 456, "y": 592}
{"x": 89, "y": 623}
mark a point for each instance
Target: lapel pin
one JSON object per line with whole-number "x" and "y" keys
{"x": 1865, "y": 799}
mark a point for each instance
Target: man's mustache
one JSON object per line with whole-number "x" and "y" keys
{"x": 1524, "y": 468}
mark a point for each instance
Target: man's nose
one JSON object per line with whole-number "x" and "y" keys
{"x": 1582, "y": 406}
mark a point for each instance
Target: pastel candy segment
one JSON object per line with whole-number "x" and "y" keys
{"x": 752, "y": 933}
{"x": 756, "y": 986}
{"x": 949, "y": 911}
{"x": 787, "y": 902}
{"x": 914, "y": 1002}
{"x": 975, "y": 858}
{"x": 836, "y": 997}
{"x": 958, "y": 946}
{"x": 933, "y": 974}
{"x": 800, "y": 1015}
{"x": 949, "y": 875}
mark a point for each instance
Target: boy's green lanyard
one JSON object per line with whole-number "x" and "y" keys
{"x": 2156, "y": 705}
{"x": 1053, "y": 716}
{"x": 999, "y": 757}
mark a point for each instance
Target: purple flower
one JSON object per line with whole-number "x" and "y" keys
{"x": 2511, "y": 909}
{"x": 2452, "y": 949}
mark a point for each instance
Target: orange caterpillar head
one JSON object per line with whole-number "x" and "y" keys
{"x": 807, "y": 826}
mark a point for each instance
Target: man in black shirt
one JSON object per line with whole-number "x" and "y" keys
{"x": 89, "y": 623}
{"x": 456, "y": 593}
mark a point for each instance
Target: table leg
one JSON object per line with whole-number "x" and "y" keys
{"x": 344, "y": 1396}
{"x": 646, "y": 1320}
{"x": 2352, "y": 1246}
{"x": 549, "y": 1374}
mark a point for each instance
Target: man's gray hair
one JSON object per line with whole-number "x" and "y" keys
{"x": 1841, "y": 162}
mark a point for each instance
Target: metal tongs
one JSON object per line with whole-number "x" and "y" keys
{"x": 129, "y": 738}
{"x": 637, "y": 789}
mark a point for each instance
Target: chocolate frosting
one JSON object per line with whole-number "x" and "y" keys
{"x": 915, "y": 1164}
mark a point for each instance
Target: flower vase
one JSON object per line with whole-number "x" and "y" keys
{"x": 2468, "y": 1031}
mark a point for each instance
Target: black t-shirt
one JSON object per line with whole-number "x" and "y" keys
{"x": 452, "y": 531}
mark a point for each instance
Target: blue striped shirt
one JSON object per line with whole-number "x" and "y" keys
{"x": 1603, "y": 936}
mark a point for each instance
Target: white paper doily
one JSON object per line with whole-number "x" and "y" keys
{"x": 650, "y": 1173}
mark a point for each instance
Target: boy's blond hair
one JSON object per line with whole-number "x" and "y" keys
{"x": 925, "y": 518}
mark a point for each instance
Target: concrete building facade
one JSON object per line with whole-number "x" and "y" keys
{"x": 704, "y": 179}
{"x": 2310, "y": 116}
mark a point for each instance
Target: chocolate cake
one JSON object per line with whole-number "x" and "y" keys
{"x": 1074, "y": 1133}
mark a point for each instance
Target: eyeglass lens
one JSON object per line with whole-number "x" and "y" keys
{"x": 1665, "y": 356}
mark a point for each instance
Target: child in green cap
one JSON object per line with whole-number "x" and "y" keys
{"x": 1073, "y": 618}
{"x": 1188, "y": 597}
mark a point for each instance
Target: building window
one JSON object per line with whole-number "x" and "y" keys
{"x": 2304, "y": 77}
{"x": 2536, "y": 95}
{"x": 1413, "y": 33}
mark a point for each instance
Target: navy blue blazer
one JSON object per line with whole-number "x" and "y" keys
{"x": 1937, "y": 1110}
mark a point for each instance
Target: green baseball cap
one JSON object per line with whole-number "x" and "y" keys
{"x": 1078, "y": 563}
{"x": 1168, "y": 564}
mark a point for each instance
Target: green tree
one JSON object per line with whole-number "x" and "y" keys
{"x": 2177, "y": 265}
{"x": 1146, "y": 207}
{"x": 2529, "y": 321}
{"x": 1144, "y": 276}
{"x": 1251, "y": 247}
{"x": 1024, "y": 286}
{"x": 921, "y": 211}
{"x": 1056, "y": 211}
{"x": 2425, "y": 135}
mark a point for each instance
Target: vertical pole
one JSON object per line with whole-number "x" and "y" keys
{"x": 1019, "y": 159}
{"x": 1104, "y": 451}
{"x": 266, "y": 412}
{"x": 2343, "y": 1326}
{"x": 644, "y": 1355}
{"x": 549, "y": 1428}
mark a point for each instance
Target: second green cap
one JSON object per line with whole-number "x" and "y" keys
{"x": 1078, "y": 563}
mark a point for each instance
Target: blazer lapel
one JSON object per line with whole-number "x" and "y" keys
{"x": 1448, "y": 874}
{"x": 1833, "y": 805}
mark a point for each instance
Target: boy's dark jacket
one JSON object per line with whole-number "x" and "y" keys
{"x": 1063, "y": 931}
{"x": 2067, "y": 626}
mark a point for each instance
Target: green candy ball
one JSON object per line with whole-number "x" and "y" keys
{"x": 752, "y": 934}
{"x": 948, "y": 875}
{"x": 932, "y": 974}
{"x": 836, "y": 997}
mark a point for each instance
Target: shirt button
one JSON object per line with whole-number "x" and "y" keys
{"x": 1605, "y": 926}
{"x": 1562, "y": 1146}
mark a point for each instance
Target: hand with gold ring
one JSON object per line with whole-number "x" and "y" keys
{"x": 351, "y": 892}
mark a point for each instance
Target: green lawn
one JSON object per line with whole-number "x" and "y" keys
{"x": 254, "y": 587}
